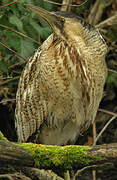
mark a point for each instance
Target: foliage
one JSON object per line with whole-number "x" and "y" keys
{"x": 21, "y": 19}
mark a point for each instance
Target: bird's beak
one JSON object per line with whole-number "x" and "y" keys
{"x": 50, "y": 17}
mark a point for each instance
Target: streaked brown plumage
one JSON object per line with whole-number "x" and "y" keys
{"x": 62, "y": 84}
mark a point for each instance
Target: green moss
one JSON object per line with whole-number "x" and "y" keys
{"x": 2, "y": 137}
{"x": 63, "y": 157}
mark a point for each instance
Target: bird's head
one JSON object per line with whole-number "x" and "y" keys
{"x": 71, "y": 28}
{"x": 63, "y": 24}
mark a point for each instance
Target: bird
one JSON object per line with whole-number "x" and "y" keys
{"x": 62, "y": 84}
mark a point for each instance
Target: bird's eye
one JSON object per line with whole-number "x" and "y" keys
{"x": 62, "y": 21}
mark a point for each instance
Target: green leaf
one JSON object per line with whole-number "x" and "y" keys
{"x": 36, "y": 26}
{"x": 112, "y": 79}
{"x": 4, "y": 66}
{"x": 44, "y": 32}
{"x": 13, "y": 19}
{"x": 13, "y": 40}
{"x": 26, "y": 48}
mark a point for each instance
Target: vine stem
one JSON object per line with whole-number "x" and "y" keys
{"x": 8, "y": 4}
{"x": 101, "y": 132}
{"x": 21, "y": 34}
{"x": 13, "y": 51}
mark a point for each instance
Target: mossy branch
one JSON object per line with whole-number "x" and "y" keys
{"x": 30, "y": 158}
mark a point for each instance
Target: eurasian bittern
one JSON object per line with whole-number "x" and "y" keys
{"x": 62, "y": 84}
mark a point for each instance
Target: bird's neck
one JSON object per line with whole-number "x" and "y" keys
{"x": 94, "y": 41}
{"x": 73, "y": 55}
{"x": 67, "y": 59}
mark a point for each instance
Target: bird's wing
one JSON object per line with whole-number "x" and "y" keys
{"x": 29, "y": 108}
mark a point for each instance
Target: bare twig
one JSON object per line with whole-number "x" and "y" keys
{"x": 103, "y": 129}
{"x": 7, "y": 100}
{"x": 67, "y": 176}
{"x": 93, "y": 12}
{"x": 94, "y": 131}
{"x": 14, "y": 65}
{"x": 94, "y": 174}
{"x": 108, "y": 112}
{"x": 8, "y": 4}
{"x": 21, "y": 34}
{"x": 97, "y": 10}
{"x": 73, "y": 5}
{"x": 13, "y": 51}
{"x": 94, "y": 167}
{"x": 2, "y": 78}
{"x": 108, "y": 22}
{"x": 16, "y": 72}
{"x": 9, "y": 80}
{"x": 67, "y": 7}
{"x": 94, "y": 138}
{"x": 111, "y": 70}
{"x": 45, "y": 174}
{"x": 11, "y": 100}
{"x": 109, "y": 40}
{"x": 64, "y": 5}
{"x": 84, "y": 169}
